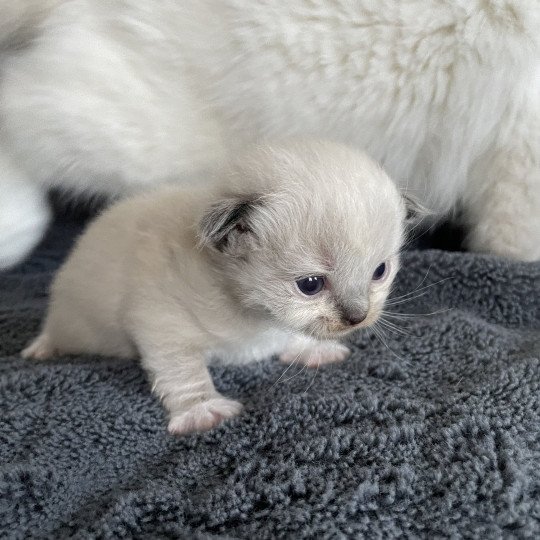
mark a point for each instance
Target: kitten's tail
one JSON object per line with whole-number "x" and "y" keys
{"x": 20, "y": 19}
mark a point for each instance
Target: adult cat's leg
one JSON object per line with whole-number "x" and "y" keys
{"x": 24, "y": 213}
{"x": 502, "y": 201}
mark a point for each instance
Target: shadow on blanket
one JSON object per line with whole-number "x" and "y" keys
{"x": 434, "y": 432}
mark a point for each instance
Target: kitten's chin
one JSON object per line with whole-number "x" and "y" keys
{"x": 329, "y": 333}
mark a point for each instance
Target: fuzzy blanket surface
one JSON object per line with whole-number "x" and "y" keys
{"x": 432, "y": 431}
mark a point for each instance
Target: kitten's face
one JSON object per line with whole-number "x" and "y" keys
{"x": 325, "y": 286}
{"x": 319, "y": 257}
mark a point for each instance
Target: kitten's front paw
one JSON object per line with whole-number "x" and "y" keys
{"x": 203, "y": 416}
{"x": 314, "y": 355}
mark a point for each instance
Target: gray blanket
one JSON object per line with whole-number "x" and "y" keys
{"x": 431, "y": 430}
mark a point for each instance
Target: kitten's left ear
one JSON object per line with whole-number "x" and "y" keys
{"x": 227, "y": 226}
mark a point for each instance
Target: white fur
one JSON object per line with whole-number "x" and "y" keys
{"x": 24, "y": 213}
{"x": 19, "y": 20}
{"x": 187, "y": 275}
{"x": 119, "y": 96}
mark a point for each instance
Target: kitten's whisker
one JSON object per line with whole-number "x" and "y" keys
{"x": 393, "y": 328}
{"x": 294, "y": 362}
{"x": 402, "y": 301}
{"x": 287, "y": 369}
{"x": 312, "y": 379}
{"x": 377, "y": 332}
{"x": 413, "y": 295}
{"x": 402, "y": 317}
{"x": 422, "y": 281}
{"x": 301, "y": 370}
{"x": 413, "y": 315}
{"x": 420, "y": 289}
{"x": 396, "y": 329}
{"x": 411, "y": 238}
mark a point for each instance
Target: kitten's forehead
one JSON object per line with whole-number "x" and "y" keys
{"x": 346, "y": 249}
{"x": 348, "y": 227}
{"x": 322, "y": 203}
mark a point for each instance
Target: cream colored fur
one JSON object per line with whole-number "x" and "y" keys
{"x": 119, "y": 96}
{"x": 187, "y": 275}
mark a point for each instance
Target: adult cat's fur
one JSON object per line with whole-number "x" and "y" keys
{"x": 117, "y": 96}
{"x": 188, "y": 274}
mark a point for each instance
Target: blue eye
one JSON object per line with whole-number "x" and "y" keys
{"x": 310, "y": 285}
{"x": 380, "y": 271}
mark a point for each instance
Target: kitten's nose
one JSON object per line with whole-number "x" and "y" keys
{"x": 353, "y": 319}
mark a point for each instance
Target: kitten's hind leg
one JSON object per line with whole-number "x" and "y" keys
{"x": 313, "y": 353}
{"x": 41, "y": 348}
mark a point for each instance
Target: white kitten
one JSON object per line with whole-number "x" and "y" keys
{"x": 120, "y": 96}
{"x": 294, "y": 244}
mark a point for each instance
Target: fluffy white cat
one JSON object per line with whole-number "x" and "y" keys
{"x": 294, "y": 246}
{"x": 118, "y": 96}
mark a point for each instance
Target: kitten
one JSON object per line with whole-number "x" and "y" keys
{"x": 115, "y": 97}
{"x": 291, "y": 248}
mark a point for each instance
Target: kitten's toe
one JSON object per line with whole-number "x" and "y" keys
{"x": 40, "y": 349}
{"x": 317, "y": 354}
{"x": 204, "y": 416}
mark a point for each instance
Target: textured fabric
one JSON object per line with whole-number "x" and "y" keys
{"x": 434, "y": 433}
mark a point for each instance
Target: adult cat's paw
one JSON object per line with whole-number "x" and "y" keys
{"x": 203, "y": 416}
{"x": 315, "y": 354}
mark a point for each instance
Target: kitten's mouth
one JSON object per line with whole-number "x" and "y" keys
{"x": 326, "y": 328}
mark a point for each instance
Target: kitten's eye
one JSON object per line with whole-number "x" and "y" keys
{"x": 310, "y": 285}
{"x": 380, "y": 271}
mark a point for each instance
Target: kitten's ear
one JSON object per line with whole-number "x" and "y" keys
{"x": 416, "y": 211}
{"x": 227, "y": 224}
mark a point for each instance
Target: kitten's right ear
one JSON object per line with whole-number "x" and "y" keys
{"x": 227, "y": 224}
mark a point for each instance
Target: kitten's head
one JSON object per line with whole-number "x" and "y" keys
{"x": 308, "y": 232}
